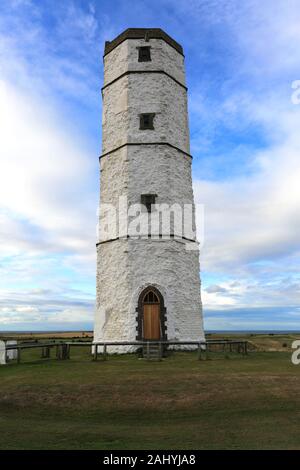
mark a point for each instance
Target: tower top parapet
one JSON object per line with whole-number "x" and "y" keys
{"x": 142, "y": 33}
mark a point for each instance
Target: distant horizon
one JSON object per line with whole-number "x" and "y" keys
{"x": 262, "y": 331}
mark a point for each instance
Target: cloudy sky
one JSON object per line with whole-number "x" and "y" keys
{"x": 241, "y": 61}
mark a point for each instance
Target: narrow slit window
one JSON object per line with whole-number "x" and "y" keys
{"x": 144, "y": 54}
{"x": 146, "y": 121}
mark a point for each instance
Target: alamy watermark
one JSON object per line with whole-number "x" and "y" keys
{"x": 296, "y": 353}
{"x": 157, "y": 221}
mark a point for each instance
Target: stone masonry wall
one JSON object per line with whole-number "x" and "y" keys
{"x": 126, "y": 99}
{"x": 125, "y": 57}
{"x": 135, "y": 264}
{"x": 126, "y": 266}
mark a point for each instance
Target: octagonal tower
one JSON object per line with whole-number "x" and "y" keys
{"x": 148, "y": 286}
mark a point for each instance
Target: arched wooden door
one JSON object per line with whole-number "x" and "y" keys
{"x": 151, "y": 316}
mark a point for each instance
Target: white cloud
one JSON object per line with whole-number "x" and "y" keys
{"x": 252, "y": 217}
{"x": 48, "y": 168}
{"x": 43, "y": 174}
{"x": 252, "y": 292}
{"x": 58, "y": 306}
{"x": 81, "y": 23}
{"x": 256, "y": 216}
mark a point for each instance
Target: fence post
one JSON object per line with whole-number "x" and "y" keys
{"x": 199, "y": 352}
{"x": 226, "y": 350}
{"x": 65, "y": 351}
{"x": 62, "y": 351}
{"x": 46, "y": 352}
{"x": 95, "y": 352}
{"x": 160, "y": 350}
{"x": 104, "y": 352}
{"x": 18, "y": 355}
{"x": 148, "y": 351}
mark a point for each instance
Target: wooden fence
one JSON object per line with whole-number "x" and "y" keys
{"x": 63, "y": 348}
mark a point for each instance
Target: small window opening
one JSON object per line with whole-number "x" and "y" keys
{"x": 146, "y": 121}
{"x": 148, "y": 200}
{"x": 144, "y": 54}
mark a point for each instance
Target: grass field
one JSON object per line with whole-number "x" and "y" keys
{"x": 242, "y": 402}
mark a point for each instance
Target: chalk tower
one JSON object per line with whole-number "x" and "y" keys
{"x": 148, "y": 287}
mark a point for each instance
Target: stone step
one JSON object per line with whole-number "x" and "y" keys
{"x": 152, "y": 352}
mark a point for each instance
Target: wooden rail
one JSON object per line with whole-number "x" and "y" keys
{"x": 63, "y": 347}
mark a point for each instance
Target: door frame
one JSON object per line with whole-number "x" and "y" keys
{"x": 140, "y": 314}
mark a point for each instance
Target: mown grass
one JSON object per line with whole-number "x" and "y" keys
{"x": 243, "y": 402}
{"x": 263, "y": 341}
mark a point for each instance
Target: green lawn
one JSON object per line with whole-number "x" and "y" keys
{"x": 243, "y": 402}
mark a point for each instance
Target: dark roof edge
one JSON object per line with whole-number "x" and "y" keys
{"x": 140, "y": 33}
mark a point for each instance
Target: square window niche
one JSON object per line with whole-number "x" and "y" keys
{"x": 146, "y": 120}
{"x": 148, "y": 200}
{"x": 144, "y": 54}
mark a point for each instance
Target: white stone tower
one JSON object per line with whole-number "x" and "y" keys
{"x": 147, "y": 287}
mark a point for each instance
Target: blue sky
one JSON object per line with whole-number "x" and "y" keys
{"x": 241, "y": 60}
